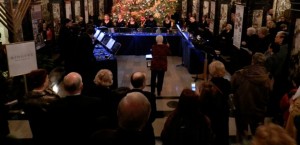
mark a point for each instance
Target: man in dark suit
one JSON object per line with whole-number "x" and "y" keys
{"x": 138, "y": 81}
{"x": 73, "y": 118}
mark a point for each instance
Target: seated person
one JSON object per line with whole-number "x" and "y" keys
{"x": 193, "y": 26}
{"x": 167, "y": 23}
{"x": 132, "y": 23}
{"x": 107, "y": 22}
{"x": 150, "y": 22}
{"x": 142, "y": 22}
{"x": 120, "y": 22}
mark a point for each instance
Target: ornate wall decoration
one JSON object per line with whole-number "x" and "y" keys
{"x": 86, "y": 11}
{"x": 101, "y": 9}
{"x": 68, "y": 9}
{"x": 77, "y": 9}
{"x": 257, "y": 18}
{"x": 196, "y": 8}
{"x": 238, "y": 26}
{"x": 280, "y": 6}
{"x": 223, "y": 16}
{"x": 90, "y": 7}
{"x": 56, "y": 11}
{"x": 205, "y": 8}
{"x": 184, "y": 8}
{"x": 212, "y": 15}
{"x": 295, "y": 55}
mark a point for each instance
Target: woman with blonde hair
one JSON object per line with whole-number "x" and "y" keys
{"x": 218, "y": 100}
{"x": 102, "y": 82}
{"x": 271, "y": 134}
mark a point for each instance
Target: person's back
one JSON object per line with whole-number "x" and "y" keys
{"x": 186, "y": 124}
{"x": 73, "y": 118}
{"x": 186, "y": 130}
{"x": 133, "y": 112}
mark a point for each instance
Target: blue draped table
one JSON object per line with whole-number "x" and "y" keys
{"x": 141, "y": 43}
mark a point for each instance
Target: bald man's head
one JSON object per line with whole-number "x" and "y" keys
{"x": 133, "y": 111}
{"x": 138, "y": 80}
{"x": 73, "y": 83}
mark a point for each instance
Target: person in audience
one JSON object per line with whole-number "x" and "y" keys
{"x": 271, "y": 134}
{"x": 272, "y": 29}
{"x": 66, "y": 39}
{"x": 120, "y": 22}
{"x": 102, "y": 83}
{"x": 72, "y": 119}
{"x": 193, "y": 26}
{"x": 292, "y": 108}
{"x": 250, "y": 39}
{"x": 213, "y": 104}
{"x": 251, "y": 86}
{"x": 84, "y": 55}
{"x": 187, "y": 125}
{"x": 167, "y": 23}
{"x": 4, "y": 110}
{"x": 132, "y": 23}
{"x": 151, "y": 23}
{"x": 142, "y": 22}
{"x": 159, "y": 64}
{"x": 37, "y": 101}
{"x": 277, "y": 65}
{"x": 226, "y": 40}
{"x": 273, "y": 48}
{"x": 217, "y": 72}
{"x": 263, "y": 41}
{"x": 133, "y": 113}
{"x": 107, "y": 22}
{"x": 138, "y": 81}
{"x": 101, "y": 89}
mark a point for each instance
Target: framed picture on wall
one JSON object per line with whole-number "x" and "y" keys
{"x": 297, "y": 36}
{"x": 212, "y": 15}
{"x": 223, "y": 16}
{"x": 238, "y": 26}
{"x": 77, "y": 9}
{"x": 91, "y": 7}
{"x": 68, "y": 9}
{"x": 205, "y": 8}
{"x": 257, "y": 18}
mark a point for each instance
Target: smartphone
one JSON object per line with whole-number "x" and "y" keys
{"x": 193, "y": 86}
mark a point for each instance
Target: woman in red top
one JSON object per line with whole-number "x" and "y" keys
{"x": 159, "y": 64}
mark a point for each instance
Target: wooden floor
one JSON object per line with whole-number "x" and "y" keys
{"x": 176, "y": 78}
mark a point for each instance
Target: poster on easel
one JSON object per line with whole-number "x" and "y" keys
{"x": 90, "y": 7}
{"x": 223, "y": 16}
{"x": 205, "y": 8}
{"x": 21, "y": 58}
{"x": 212, "y": 15}
{"x": 238, "y": 26}
{"x": 77, "y": 9}
{"x": 68, "y": 9}
{"x": 86, "y": 12}
{"x": 257, "y": 18}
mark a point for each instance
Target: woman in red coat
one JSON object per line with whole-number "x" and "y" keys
{"x": 159, "y": 64}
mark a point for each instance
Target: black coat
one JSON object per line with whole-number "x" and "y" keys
{"x": 72, "y": 119}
